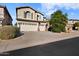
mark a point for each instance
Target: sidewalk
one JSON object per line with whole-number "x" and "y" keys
{"x": 30, "y": 39}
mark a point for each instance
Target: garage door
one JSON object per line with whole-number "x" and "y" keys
{"x": 42, "y": 27}
{"x": 28, "y": 27}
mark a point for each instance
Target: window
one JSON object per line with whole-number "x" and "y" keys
{"x": 27, "y": 14}
{"x": 38, "y": 17}
{"x": 31, "y": 15}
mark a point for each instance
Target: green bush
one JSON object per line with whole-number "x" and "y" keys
{"x": 56, "y": 30}
{"x": 9, "y": 32}
{"x": 58, "y": 27}
{"x": 76, "y": 24}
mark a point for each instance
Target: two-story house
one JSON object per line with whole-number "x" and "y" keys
{"x": 5, "y": 18}
{"x": 29, "y": 19}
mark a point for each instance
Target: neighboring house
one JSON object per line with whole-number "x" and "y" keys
{"x": 73, "y": 21}
{"x": 5, "y": 18}
{"x": 28, "y": 19}
{"x": 70, "y": 23}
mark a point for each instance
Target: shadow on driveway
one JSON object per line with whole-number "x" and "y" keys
{"x": 69, "y": 47}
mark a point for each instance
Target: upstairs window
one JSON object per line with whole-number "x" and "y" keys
{"x": 37, "y": 17}
{"x": 31, "y": 15}
{"x": 27, "y": 14}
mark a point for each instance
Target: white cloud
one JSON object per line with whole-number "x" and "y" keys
{"x": 71, "y": 5}
{"x": 49, "y": 8}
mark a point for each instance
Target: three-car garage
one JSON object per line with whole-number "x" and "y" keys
{"x": 31, "y": 26}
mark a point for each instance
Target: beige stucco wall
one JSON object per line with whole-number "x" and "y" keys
{"x": 1, "y": 15}
{"x": 20, "y": 14}
{"x": 1, "y": 12}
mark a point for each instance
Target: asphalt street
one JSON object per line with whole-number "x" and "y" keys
{"x": 69, "y": 47}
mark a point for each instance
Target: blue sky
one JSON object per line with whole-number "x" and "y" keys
{"x": 72, "y": 9}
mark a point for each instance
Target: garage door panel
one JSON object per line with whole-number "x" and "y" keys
{"x": 42, "y": 27}
{"x": 28, "y": 27}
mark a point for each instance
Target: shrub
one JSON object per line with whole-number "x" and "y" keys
{"x": 76, "y": 24}
{"x": 50, "y": 28}
{"x": 9, "y": 32}
{"x": 58, "y": 27}
{"x": 56, "y": 30}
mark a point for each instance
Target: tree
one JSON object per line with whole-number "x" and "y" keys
{"x": 76, "y": 25}
{"x": 58, "y": 21}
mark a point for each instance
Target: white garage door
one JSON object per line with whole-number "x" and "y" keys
{"x": 28, "y": 27}
{"x": 42, "y": 27}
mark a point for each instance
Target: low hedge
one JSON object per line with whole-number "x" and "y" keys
{"x": 9, "y": 32}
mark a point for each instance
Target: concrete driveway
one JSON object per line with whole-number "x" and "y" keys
{"x": 30, "y": 39}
